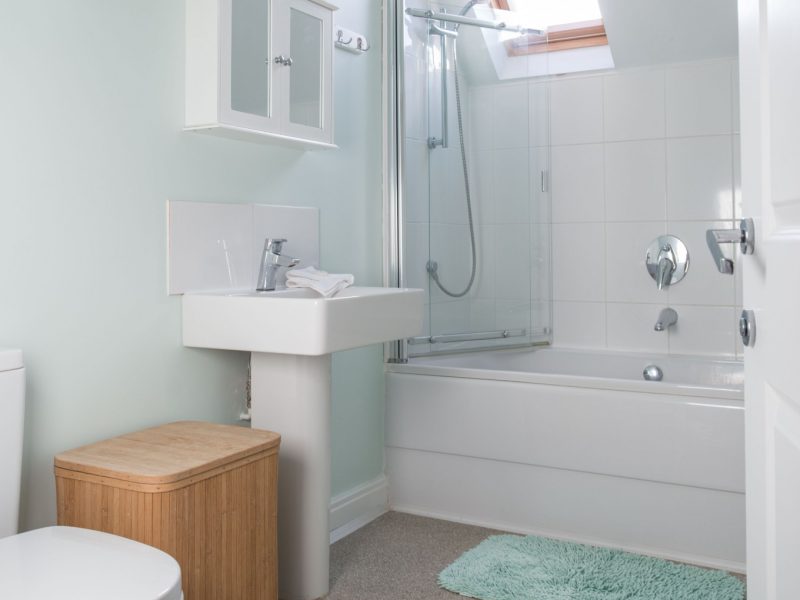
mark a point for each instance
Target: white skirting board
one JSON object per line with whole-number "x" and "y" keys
{"x": 676, "y": 522}
{"x": 355, "y": 508}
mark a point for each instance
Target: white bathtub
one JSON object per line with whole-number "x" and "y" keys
{"x": 576, "y": 445}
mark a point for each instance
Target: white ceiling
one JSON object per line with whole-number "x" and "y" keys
{"x": 648, "y": 32}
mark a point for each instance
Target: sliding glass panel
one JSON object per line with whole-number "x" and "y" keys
{"x": 476, "y": 174}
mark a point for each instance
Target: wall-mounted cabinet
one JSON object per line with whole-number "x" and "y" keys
{"x": 261, "y": 69}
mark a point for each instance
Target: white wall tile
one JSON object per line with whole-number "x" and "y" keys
{"x": 481, "y": 101}
{"x": 700, "y": 178}
{"x": 482, "y": 182}
{"x": 415, "y": 180}
{"x": 703, "y": 284}
{"x": 511, "y": 191}
{"x": 577, "y": 183}
{"x": 577, "y": 111}
{"x": 634, "y": 105}
{"x": 632, "y": 327}
{"x": 579, "y": 262}
{"x": 539, "y": 114}
{"x": 635, "y": 179}
{"x": 699, "y": 99}
{"x": 579, "y": 324}
{"x": 703, "y": 330}
{"x": 627, "y": 277}
{"x": 510, "y": 116}
{"x": 512, "y": 262}
{"x": 210, "y": 246}
{"x": 485, "y": 276}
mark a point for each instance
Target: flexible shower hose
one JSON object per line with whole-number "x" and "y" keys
{"x": 432, "y": 267}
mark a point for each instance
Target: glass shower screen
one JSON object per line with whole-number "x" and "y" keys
{"x": 475, "y": 201}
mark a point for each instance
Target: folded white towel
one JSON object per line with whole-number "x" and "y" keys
{"x": 326, "y": 284}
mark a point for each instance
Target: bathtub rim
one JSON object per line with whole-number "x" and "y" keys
{"x": 579, "y": 381}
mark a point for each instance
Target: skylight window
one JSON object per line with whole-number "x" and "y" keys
{"x": 544, "y": 14}
{"x": 569, "y": 25}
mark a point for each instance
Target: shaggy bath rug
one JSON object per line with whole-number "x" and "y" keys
{"x": 512, "y": 567}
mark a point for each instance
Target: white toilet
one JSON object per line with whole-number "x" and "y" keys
{"x": 67, "y": 563}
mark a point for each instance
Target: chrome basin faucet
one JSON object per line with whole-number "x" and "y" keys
{"x": 271, "y": 261}
{"x": 666, "y": 319}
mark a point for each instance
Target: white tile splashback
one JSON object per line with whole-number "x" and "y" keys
{"x": 215, "y": 246}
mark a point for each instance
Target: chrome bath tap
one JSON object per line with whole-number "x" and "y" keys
{"x": 271, "y": 261}
{"x": 666, "y": 266}
{"x": 666, "y": 319}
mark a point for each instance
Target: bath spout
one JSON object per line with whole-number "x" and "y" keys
{"x": 666, "y": 319}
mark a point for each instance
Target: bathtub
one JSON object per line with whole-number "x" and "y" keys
{"x": 575, "y": 445}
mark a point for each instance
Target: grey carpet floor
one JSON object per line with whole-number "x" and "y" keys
{"x": 398, "y": 557}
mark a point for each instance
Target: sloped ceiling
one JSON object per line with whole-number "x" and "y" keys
{"x": 648, "y": 32}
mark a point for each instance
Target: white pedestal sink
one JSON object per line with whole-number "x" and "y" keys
{"x": 291, "y": 334}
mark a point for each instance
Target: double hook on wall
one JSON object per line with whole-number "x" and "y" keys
{"x": 351, "y": 41}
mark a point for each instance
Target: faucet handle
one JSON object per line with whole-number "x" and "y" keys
{"x": 274, "y": 245}
{"x": 744, "y": 235}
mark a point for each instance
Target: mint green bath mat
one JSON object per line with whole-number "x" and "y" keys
{"x": 512, "y": 567}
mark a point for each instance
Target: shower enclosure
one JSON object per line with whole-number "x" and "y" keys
{"x": 472, "y": 213}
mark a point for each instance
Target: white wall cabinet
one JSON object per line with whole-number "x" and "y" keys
{"x": 261, "y": 69}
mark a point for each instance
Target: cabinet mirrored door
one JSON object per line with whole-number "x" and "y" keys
{"x": 248, "y": 67}
{"x": 250, "y": 72}
{"x": 305, "y": 86}
{"x": 308, "y": 92}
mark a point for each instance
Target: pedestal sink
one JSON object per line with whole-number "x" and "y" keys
{"x": 291, "y": 335}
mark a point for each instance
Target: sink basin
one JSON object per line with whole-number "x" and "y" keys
{"x": 300, "y": 321}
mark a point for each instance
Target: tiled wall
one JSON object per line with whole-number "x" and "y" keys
{"x": 637, "y": 154}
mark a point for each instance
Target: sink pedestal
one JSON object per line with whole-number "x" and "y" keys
{"x": 291, "y": 335}
{"x": 291, "y": 394}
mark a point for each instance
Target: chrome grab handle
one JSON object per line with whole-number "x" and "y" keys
{"x": 286, "y": 61}
{"x": 745, "y": 236}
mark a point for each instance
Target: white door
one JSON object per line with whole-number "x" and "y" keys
{"x": 769, "y": 50}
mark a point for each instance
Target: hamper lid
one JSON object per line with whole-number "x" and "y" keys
{"x": 69, "y": 563}
{"x": 168, "y": 454}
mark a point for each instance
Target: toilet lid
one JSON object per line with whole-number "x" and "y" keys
{"x": 69, "y": 563}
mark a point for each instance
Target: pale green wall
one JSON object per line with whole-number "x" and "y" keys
{"x": 90, "y": 150}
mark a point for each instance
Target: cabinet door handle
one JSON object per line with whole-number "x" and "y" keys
{"x": 286, "y": 61}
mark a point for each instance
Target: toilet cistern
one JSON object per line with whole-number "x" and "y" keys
{"x": 666, "y": 319}
{"x": 271, "y": 261}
